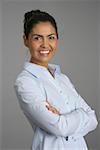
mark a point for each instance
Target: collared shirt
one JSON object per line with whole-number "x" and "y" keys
{"x": 35, "y": 86}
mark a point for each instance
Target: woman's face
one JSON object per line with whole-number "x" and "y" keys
{"x": 42, "y": 43}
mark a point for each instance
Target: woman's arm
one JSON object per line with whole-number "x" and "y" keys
{"x": 91, "y": 123}
{"x": 34, "y": 106}
{"x": 88, "y": 120}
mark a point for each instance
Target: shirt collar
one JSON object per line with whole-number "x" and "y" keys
{"x": 37, "y": 70}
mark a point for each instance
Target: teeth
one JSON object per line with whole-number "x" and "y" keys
{"x": 44, "y": 52}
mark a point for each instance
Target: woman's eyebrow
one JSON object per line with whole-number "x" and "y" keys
{"x": 52, "y": 34}
{"x": 36, "y": 35}
{"x": 42, "y": 35}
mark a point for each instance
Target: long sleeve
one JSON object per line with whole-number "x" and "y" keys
{"x": 86, "y": 125}
{"x": 33, "y": 105}
{"x": 88, "y": 120}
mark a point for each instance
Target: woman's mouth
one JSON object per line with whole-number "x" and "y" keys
{"x": 44, "y": 51}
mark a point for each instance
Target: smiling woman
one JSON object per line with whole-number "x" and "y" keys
{"x": 42, "y": 43}
{"x": 47, "y": 97}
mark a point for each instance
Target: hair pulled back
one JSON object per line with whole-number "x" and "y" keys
{"x": 33, "y": 17}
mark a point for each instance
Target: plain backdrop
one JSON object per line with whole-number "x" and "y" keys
{"x": 0, "y": 71}
{"x": 78, "y": 55}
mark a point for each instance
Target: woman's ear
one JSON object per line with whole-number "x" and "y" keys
{"x": 25, "y": 41}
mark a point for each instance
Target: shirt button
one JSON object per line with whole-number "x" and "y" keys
{"x": 66, "y": 138}
{"x": 67, "y": 103}
{"x": 60, "y": 91}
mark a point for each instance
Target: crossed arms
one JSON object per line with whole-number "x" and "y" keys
{"x": 80, "y": 121}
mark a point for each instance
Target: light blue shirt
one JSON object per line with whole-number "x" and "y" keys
{"x": 35, "y": 86}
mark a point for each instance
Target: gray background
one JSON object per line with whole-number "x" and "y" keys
{"x": 0, "y": 72}
{"x": 78, "y": 55}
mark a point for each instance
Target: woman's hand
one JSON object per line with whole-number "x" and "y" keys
{"x": 52, "y": 109}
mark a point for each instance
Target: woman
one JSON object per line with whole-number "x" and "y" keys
{"x": 58, "y": 114}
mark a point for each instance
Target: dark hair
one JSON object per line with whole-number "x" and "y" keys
{"x": 33, "y": 17}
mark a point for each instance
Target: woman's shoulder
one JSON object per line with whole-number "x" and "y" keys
{"x": 23, "y": 75}
{"x": 66, "y": 79}
{"x": 24, "y": 78}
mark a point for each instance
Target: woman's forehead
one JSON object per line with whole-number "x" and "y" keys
{"x": 43, "y": 27}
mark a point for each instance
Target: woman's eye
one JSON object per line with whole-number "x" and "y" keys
{"x": 51, "y": 37}
{"x": 36, "y": 38}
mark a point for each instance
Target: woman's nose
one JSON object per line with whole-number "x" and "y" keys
{"x": 45, "y": 43}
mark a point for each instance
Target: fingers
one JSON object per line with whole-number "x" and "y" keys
{"x": 52, "y": 109}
